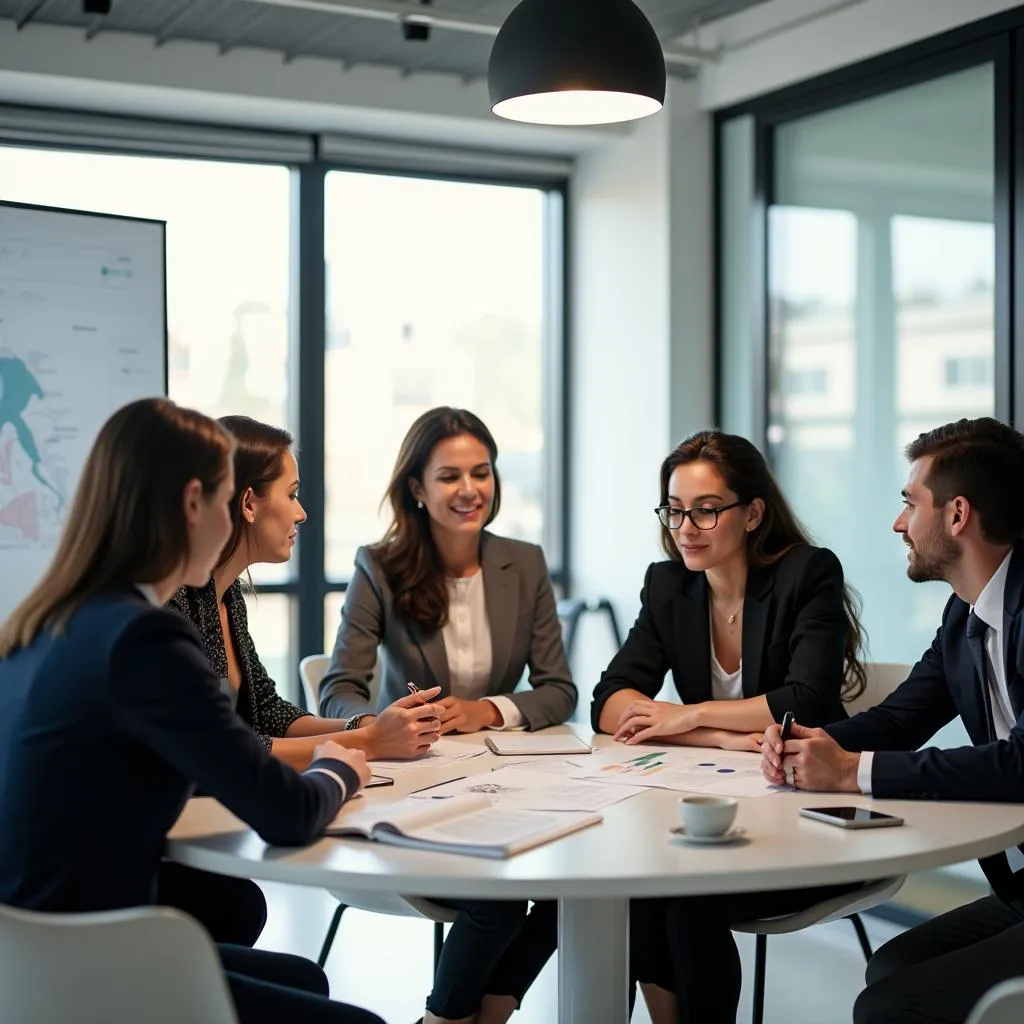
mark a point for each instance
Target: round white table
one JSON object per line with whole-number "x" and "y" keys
{"x": 594, "y": 872}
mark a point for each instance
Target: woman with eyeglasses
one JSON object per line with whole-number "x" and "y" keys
{"x": 753, "y": 621}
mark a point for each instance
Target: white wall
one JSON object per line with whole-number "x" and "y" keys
{"x": 640, "y": 348}
{"x": 775, "y": 44}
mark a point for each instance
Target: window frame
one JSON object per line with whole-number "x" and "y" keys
{"x": 299, "y": 153}
{"x": 998, "y": 41}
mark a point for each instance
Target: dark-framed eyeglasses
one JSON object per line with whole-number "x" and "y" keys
{"x": 702, "y": 517}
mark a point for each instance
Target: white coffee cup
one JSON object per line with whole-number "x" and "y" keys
{"x": 707, "y": 815}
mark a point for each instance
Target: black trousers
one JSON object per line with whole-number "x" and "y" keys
{"x": 937, "y": 971}
{"x": 494, "y": 947}
{"x": 274, "y": 988}
{"x": 685, "y": 945}
{"x": 232, "y": 910}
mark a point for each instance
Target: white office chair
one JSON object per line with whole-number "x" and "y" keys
{"x": 1003, "y": 1004}
{"x": 311, "y": 672}
{"x": 881, "y": 680}
{"x": 118, "y": 967}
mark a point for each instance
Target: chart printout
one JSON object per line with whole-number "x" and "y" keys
{"x": 82, "y": 332}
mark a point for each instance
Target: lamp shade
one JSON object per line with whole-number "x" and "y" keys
{"x": 576, "y": 62}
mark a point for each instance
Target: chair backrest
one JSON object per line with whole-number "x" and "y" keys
{"x": 311, "y": 672}
{"x": 148, "y": 964}
{"x": 1003, "y": 1004}
{"x": 882, "y": 679}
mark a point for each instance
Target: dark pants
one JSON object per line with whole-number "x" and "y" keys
{"x": 685, "y": 945}
{"x": 232, "y": 910}
{"x": 937, "y": 971}
{"x": 493, "y": 947}
{"x": 272, "y": 988}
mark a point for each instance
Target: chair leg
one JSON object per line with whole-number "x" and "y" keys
{"x": 332, "y": 930}
{"x": 760, "y": 955}
{"x": 438, "y": 943}
{"x": 862, "y": 935}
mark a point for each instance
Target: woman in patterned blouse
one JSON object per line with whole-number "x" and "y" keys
{"x": 265, "y": 514}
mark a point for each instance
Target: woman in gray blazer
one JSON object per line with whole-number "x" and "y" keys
{"x": 454, "y": 606}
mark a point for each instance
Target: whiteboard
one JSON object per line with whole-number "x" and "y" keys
{"x": 83, "y": 330}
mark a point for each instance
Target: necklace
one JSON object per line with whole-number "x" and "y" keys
{"x": 732, "y": 618}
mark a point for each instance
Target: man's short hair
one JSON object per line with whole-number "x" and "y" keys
{"x": 981, "y": 460}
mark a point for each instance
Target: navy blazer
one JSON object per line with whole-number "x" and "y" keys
{"x": 793, "y": 644}
{"x": 942, "y": 685}
{"x": 103, "y": 731}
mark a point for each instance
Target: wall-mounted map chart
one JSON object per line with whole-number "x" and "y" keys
{"x": 83, "y": 330}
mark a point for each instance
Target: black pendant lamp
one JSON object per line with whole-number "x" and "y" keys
{"x": 576, "y": 62}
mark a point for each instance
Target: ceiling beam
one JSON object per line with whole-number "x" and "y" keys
{"x": 398, "y": 11}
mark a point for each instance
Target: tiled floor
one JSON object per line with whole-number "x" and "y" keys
{"x": 384, "y": 963}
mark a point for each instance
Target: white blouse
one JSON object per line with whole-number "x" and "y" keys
{"x": 725, "y": 685}
{"x": 467, "y": 642}
{"x": 467, "y": 637}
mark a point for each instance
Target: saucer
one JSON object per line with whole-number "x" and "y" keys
{"x": 731, "y": 836}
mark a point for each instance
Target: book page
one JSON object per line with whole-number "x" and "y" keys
{"x": 403, "y": 815}
{"x": 500, "y": 825}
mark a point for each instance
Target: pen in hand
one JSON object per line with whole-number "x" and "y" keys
{"x": 788, "y": 720}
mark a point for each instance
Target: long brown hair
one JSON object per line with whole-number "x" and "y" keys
{"x": 746, "y": 474}
{"x": 407, "y": 552}
{"x": 126, "y": 523}
{"x": 259, "y": 458}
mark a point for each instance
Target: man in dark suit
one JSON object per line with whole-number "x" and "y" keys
{"x": 963, "y": 522}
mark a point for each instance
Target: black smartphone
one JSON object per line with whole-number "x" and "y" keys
{"x": 851, "y": 817}
{"x": 379, "y": 780}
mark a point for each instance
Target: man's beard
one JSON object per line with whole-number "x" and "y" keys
{"x": 934, "y": 561}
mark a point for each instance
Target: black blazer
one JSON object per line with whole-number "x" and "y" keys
{"x": 942, "y": 685}
{"x": 793, "y": 637}
{"x": 103, "y": 731}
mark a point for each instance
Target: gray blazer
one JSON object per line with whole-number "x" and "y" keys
{"x": 525, "y": 630}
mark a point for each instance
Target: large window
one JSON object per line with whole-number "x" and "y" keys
{"x": 436, "y": 292}
{"x": 436, "y": 295}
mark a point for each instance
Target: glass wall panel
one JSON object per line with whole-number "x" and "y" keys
{"x": 881, "y": 310}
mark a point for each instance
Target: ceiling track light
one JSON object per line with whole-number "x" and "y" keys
{"x": 567, "y": 62}
{"x": 416, "y": 27}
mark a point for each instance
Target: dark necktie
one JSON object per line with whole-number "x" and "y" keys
{"x": 997, "y": 867}
{"x": 976, "y": 630}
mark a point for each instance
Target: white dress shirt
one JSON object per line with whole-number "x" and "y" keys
{"x": 988, "y": 608}
{"x": 467, "y": 642}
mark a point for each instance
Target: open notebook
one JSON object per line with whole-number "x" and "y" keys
{"x": 469, "y": 824}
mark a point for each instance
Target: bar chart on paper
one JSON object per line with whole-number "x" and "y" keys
{"x": 720, "y": 772}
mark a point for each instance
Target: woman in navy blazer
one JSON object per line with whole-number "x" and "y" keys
{"x": 110, "y": 713}
{"x": 753, "y": 621}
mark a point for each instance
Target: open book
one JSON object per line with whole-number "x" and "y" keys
{"x": 469, "y": 824}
